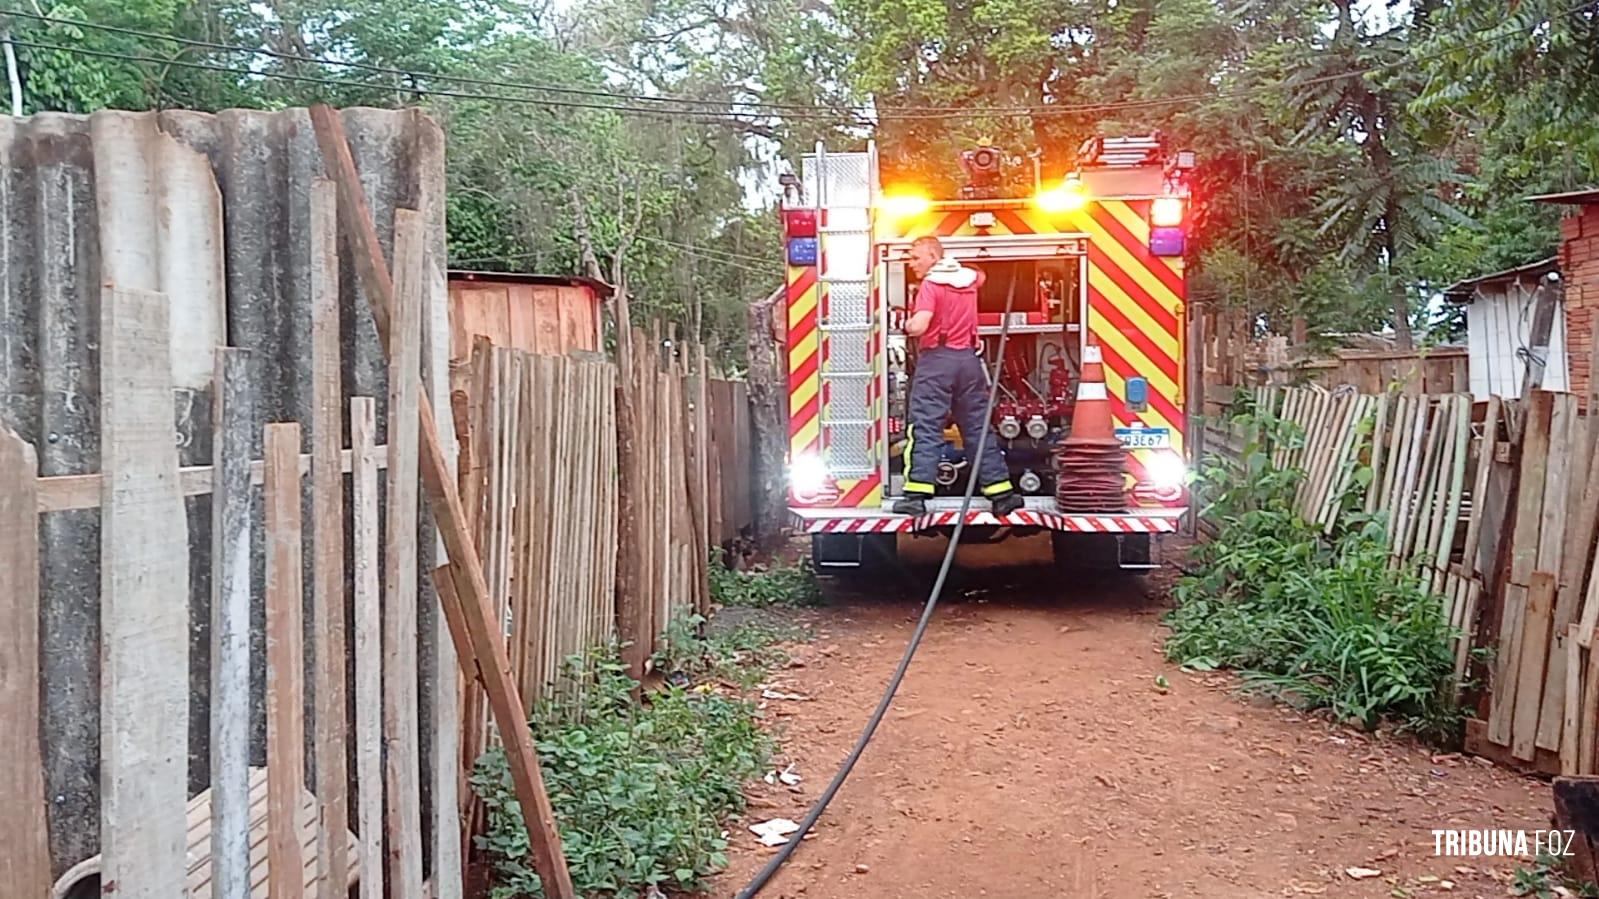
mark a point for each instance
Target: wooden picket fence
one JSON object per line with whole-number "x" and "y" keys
{"x": 1418, "y": 451}
{"x": 538, "y": 473}
{"x": 596, "y": 493}
{"x": 1544, "y": 703}
{"x": 287, "y": 825}
{"x": 730, "y": 458}
{"x": 663, "y": 567}
{"x": 1494, "y": 506}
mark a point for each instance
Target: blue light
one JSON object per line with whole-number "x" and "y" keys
{"x": 1166, "y": 241}
{"x": 802, "y": 251}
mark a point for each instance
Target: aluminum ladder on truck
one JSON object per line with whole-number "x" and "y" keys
{"x": 843, "y": 187}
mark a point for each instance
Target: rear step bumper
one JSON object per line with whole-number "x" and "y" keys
{"x": 943, "y": 513}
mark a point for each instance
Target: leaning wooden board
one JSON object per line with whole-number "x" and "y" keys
{"x": 465, "y": 603}
{"x": 1530, "y": 666}
{"x": 285, "y": 660}
{"x": 327, "y": 546}
{"x": 1523, "y": 550}
{"x": 1551, "y": 547}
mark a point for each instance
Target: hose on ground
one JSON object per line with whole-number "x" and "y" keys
{"x": 759, "y": 881}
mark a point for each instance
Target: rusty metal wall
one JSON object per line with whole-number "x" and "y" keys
{"x": 213, "y": 210}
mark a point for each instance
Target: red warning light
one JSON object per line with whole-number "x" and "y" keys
{"x": 799, "y": 222}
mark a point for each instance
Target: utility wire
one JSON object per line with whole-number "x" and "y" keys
{"x": 678, "y": 105}
{"x": 759, "y": 881}
{"x": 761, "y": 265}
{"x": 713, "y": 253}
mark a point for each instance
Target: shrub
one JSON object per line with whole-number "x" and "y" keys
{"x": 1321, "y": 621}
{"x": 639, "y": 791}
{"x": 786, "y": 585}
{"x": 742, "y": 655}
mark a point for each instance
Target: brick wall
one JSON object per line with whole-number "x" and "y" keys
{"x": 1579, "y": 270}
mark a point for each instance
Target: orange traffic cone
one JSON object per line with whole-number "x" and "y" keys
{"x": 1090, "y": 465}
{"x": 1091, "y": 416}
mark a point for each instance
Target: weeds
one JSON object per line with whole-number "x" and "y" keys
{"x": 787, "y": 585}
{"x": 742, "y": 656}
{"x": 1322, "y": 622}
{"x": 640, "y": 790}
{"x": 1545, "y": 880}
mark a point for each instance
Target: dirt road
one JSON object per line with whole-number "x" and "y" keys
{"x": 1031, "y": 753}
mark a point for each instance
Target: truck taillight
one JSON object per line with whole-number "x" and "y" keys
{"x": 809, "y": 481}
{"x": 799, "y": 222}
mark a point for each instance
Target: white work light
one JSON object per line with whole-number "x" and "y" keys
{"x": 1166, "y": 471}
{"x": 807, "y": 475}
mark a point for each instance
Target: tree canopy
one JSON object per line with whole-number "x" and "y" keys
{"x": 1354, "y": 156}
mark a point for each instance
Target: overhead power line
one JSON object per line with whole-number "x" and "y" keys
{"x": 722, "y": 109}
{"x": 758, "y": 265}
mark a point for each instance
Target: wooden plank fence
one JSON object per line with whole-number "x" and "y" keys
{"x": 1418, "y": 450}
{"x": 1493, "y": 506}
{"x": 251, "y": 823}
{"x": 553, "y": 473}
{"x": 1227, "y": 352}
{"x": 731, "y": 459}
{"x": 541, "y": 489}
{"x": 281, "y": 831}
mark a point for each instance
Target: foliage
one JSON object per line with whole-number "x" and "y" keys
{"x": 1323, "y": 623}
{"x": 741, "y": 655}
{"x": 1545, "y": 880}
{"x": 663, "y": 204}
{"x": 639, "y": 791}
{"x": 1353, "y": 158}
{"x": 1525, "y": 69}
{"x": 784, "y": 585}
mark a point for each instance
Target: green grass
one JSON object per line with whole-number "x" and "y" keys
{"x": 1543, "y": 879}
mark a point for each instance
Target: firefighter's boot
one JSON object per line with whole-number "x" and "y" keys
{"x": 1007, "y": 502}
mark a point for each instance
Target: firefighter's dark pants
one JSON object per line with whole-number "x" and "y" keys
{"x": 950, "y": 381}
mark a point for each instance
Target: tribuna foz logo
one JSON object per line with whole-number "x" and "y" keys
{"x": 1512, "y": 843}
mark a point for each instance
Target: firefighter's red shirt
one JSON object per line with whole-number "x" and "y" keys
{"x": 954, "y": 311}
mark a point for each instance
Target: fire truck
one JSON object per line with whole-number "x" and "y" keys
{"x": 1092, "y": 260}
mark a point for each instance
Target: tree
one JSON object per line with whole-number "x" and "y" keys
{"x": 1347, "y": 166}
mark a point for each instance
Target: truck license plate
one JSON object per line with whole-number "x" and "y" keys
{"x": 1144, "y": 438}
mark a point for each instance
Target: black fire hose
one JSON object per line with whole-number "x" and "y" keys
{"x": 758, "y": 882}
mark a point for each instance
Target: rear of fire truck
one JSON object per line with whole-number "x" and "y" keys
{"x": 1091, "y": 267}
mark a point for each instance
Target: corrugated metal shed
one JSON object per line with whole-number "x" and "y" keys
{"x": 1499, "y": 309}
{"x": 212, "y": 210}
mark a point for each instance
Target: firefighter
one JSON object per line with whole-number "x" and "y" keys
{"x": 949, "y": 381}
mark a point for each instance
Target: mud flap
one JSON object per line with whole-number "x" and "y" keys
{"x": 834, "y": 553}
{"x": 1103, "y": 552}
